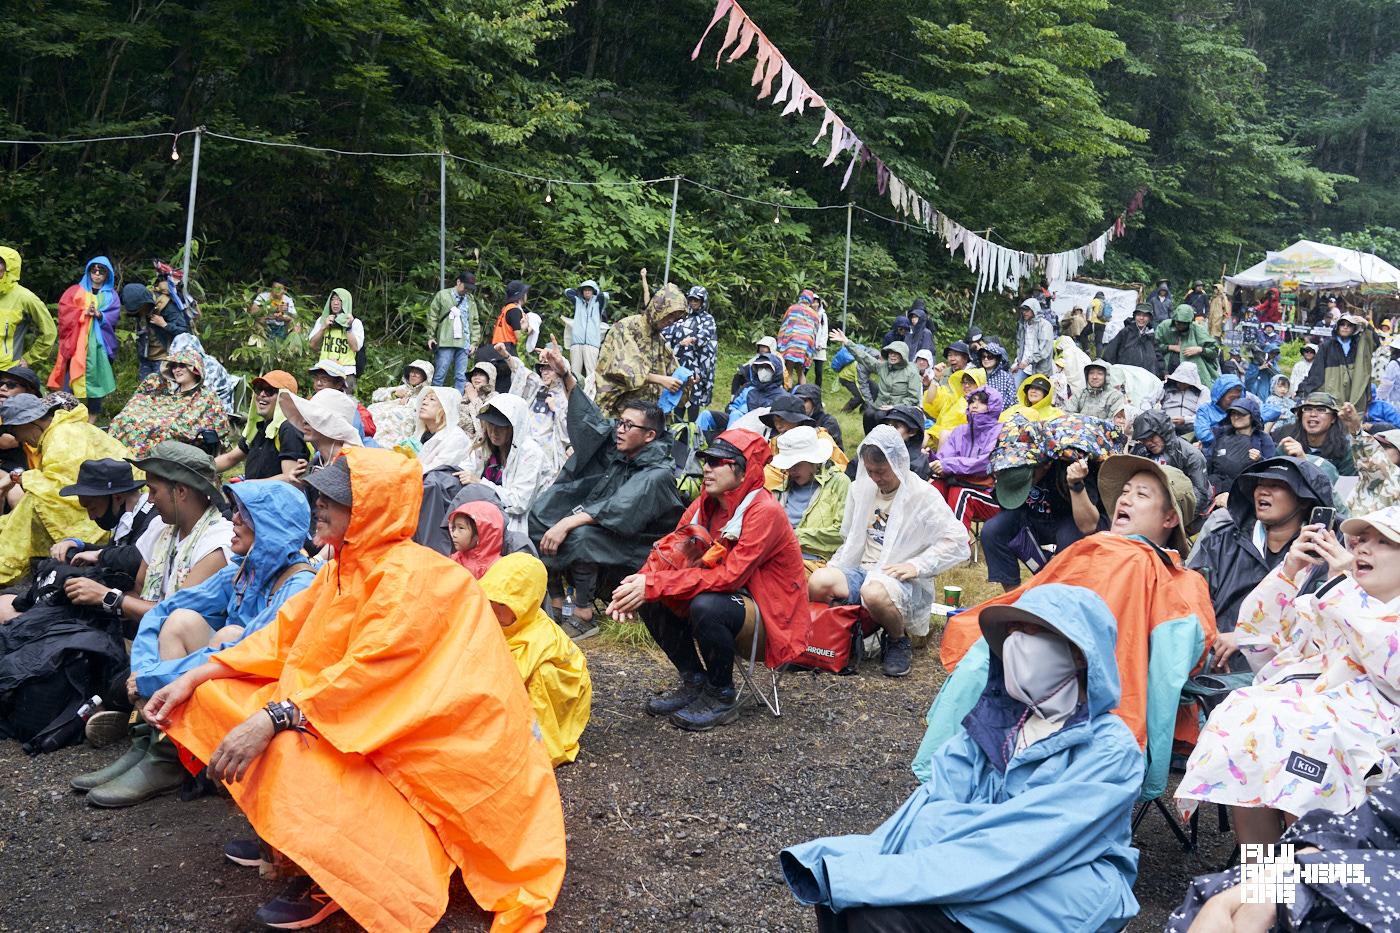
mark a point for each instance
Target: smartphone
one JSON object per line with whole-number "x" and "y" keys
{"x": 1324, "y": 516}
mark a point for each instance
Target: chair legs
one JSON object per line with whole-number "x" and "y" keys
{"x": 769, "y": 695}
{"x": 1188, "y": 842}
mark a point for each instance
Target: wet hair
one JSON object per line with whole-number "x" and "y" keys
{"x": 652, "y": 417}
{"x": 873, "y": 456}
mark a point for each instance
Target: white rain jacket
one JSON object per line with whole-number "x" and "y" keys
{"x": 524, "y": 476}
{"x": 922, "y": 530}
{"x": 450, "y": 446}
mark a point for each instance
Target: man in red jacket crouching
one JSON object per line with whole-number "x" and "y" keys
{"x": 702, "y": 580}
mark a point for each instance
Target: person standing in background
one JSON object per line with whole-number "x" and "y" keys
{"x": 590, "y": 305}
{"x": 87, "y": 336}
{"x": 454, "y": 331}
{"x": 22, "y": 315}
{"x": 342, "y": 333}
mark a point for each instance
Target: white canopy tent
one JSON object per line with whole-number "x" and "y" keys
{"x": 1318, "y": 267}
{"x": 1070, "y": 295}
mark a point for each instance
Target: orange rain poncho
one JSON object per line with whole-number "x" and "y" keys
{"x": 428, "y": 754}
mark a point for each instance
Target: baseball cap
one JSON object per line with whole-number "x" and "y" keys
{"x": 1386, "y": 521}
{"x": 278, "y": 379}
{"x": 1013, "y": 486}
{"x": 721, "y": 449}
{"x": 331, "y": 368}
{"x": 1320, "y": 400}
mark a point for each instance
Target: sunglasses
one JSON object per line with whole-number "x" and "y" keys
{"x": 714, "y": 462}
{"x": 11, "y": 384}
{"x": 264, "y": 390}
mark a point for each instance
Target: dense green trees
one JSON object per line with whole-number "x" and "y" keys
{"x": 1248, "y": 124}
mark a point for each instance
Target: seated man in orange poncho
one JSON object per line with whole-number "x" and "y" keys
{"x": 1166, "y": 624}
{"x": 421, "y": 750}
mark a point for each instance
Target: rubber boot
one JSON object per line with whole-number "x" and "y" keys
{"x": 158, "y": 772}
{"x": 140, "y": 743}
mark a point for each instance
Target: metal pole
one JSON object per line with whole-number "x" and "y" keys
{"x": 671, "y": 234}
{"x": 846, "y": 276}
{"x": 442, "y": 220}
{"x": 189, "y": 216}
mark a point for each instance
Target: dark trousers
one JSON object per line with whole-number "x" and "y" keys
{"x": 818, "y": 364}
{"x": 1002, "y": 564}
{"x": 588, "y": 579}
{"x": 916, "y": 918}
{"x": 715, "y": 618}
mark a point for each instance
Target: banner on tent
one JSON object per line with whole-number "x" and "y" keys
{"x": 1298, "y": 265}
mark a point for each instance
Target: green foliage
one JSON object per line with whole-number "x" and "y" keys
{"x": 1248, "y": 125}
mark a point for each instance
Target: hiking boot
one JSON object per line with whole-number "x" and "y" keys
{"x": 158, "y": 772}
{"x": 301, "y": 904}
{"x": 678, "y": 699}
{"x": 245, "y": 852}
{"x": 578, "y": 630}
{"x": 716, "y": 706}
{"x": 141, "y": 740}
{"x": 107, "y": 727}
{"x": 897, "y": 657}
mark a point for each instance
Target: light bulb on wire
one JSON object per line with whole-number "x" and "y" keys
{"x": 549, "y": 192}
{"x": 175, "y": 150}
{"x": 776, "y": 212}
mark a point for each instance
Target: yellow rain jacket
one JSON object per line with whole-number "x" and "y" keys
{"x": 947, "y": 405}
{"x": 22, "y": 315}
{"x": 43, "y": 516}
{"x": 426, "y": 757}
{"x": 1043, "y": 410}
{"x": 554, "y": 670}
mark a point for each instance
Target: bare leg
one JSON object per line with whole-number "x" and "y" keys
{"x": 7, "y": 609}
{"x": 876, "y": 600}
{"x": 226, "y": 636}
{"x": 183, "y": 633}
{"x": 827, "y": 584}
{"x": 1256, "y": 825}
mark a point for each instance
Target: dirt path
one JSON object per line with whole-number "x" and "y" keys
{"x": 668, "y": 831}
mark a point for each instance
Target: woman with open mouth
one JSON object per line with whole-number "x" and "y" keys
{"x": 1318, "y": 728}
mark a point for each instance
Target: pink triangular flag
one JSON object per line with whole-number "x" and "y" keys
{"x": 721, "y": 8}
{"x": 736, "y": 19}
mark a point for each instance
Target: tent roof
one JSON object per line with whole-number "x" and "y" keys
{"x": 1069, "y": 294}
{"x": 1318, "y": 266}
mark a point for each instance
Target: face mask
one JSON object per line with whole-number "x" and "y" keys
{"x": 1040, "y": 672}
{"x": 764, "y": 375}
{"x": 109, "y": 519}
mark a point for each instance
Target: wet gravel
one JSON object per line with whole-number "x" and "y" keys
{"x": 667, "y": 830}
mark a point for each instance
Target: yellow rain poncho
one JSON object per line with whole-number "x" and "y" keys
{"x": 947, "y": 404}
{"x": 554, "y": 670}
{"x": 1043, "y": 410}
{"x": 43, "y": 516}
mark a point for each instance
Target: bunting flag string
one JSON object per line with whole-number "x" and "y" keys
{"x": 996, "y": 267}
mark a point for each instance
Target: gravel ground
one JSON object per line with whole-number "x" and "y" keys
{"x": 667, "y": 830}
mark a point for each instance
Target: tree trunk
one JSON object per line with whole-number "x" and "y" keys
{"x": 594, "y": 41}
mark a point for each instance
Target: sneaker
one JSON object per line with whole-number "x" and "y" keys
{"x": 302, "y": 904}
{"x": 245, "y": 852}
{"x": 678, "y": 699}
{"x": 714, "y": 707}
{"x": 898, "y": 657}
{"x": 578, "y": 630}
{"x": 107, "y": 727}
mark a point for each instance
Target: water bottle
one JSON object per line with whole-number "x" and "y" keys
{"x": 568, "y": 611}
{"x": 93, "y": 705}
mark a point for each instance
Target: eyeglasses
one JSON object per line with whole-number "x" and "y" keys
{"x": 625, "y": 426}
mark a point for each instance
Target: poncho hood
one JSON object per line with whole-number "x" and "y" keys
{"x": 387, "y": 491}
{"x": 347, "y": 304}
{"x": 10, "y": 256}
{"x": 756, "y": 456}
{"x": 280, "y": 518}
{"x": 516, "y": 581}
{"x": 109, "y": 287}
{"x": 666, "y": 304}
{"x": 490, "y": 525}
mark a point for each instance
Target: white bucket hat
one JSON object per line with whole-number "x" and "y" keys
{"x": 328, "y": 412}
{"x": 802, "y": 444}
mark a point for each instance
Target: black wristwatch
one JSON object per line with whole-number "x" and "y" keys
{"x": 112, "y": 601}
{"x": 1076, "y": 486}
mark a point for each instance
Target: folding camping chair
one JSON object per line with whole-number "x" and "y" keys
{"x": 750, "y": 640}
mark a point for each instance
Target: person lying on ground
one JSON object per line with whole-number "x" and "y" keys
{"x": 1031, "y": 798}
{"x": 271, "y": 446}
{"x": 183, "y": 630}
{"x": 62, "y": 441}
{"x": 554, "y": 670}
{"x": 899, "y": 534}
{"x": 615, "y": 496}
{"x": 752, "y": 559}
{"x": 1316, "y": 728}
{"x": 447, "y": 764}
{"x": 813, "y": 492}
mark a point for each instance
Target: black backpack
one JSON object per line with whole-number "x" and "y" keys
{"x": 54, "y": 657}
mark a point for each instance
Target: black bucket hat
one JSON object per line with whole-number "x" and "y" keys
{"x": 789, "y": 408}
{"x": 907, "y": 415}
{"x": 25, "y": 375}
{"x": 105, "y": 477}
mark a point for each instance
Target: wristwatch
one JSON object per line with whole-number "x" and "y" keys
{"x": 1076, "y": 486}
{"x": 112, "y": 601}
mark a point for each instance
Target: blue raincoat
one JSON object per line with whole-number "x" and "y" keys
{"x": 1042, "y": 842}
{"x": 1208, "y": 416}
{"x": 240, "y": 593}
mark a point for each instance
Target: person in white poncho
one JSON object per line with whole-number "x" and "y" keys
{"x": 507, "y": 458}
{"x": 899, "y": 533}
{"x": 444, "y": 442}
{"x": 395, "y": 408}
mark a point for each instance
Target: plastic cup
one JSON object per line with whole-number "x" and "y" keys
{"x": 952, "y": 595}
